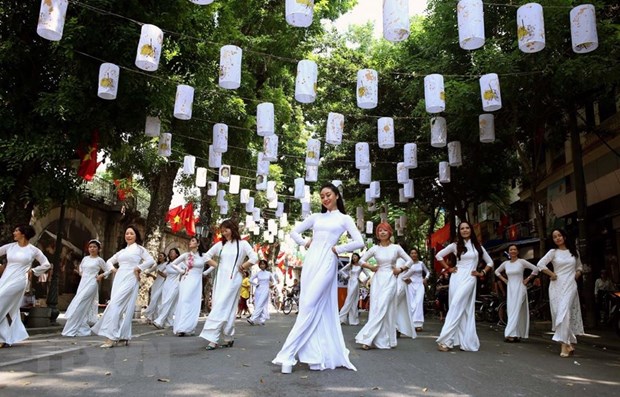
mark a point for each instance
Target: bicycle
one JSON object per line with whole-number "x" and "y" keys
{"x": 289, "y": 302}
{"x": 492, "y": 309}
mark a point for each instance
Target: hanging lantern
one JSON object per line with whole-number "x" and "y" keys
{"x": 410, "y": 155}
{"x": 401, "y": 196}
{"x": 270, "y": 148}
{"x": 220, "y": 138}
{"x": 305, "y": 209}
{"x": 249, "y": 222}
{"x": 272, "y": 226}
{"x": 279, "y": 210}
{"x": 261, "y": 182}
{"x": 244, "y": 196}
{"x": 365, "y": 176}
{"x": 183, "y": 102}
{"x": 273, "y": 204}
{"x": 265, "y": 119}
{"x": 439, "y": 132}
{"x": 312, "y": 173}
{"x": 221, "y": 197}
{"x": 201, "y": 177}
{"x": 299, "y": 12}
{"x": 188, "y": 166}
{"x": 335, "y": 127}
{"x": 280, "y": 234}
{"x": 306, "y": 81}
{"x": 165, "y": 144}
{"x": 362, "y": 155}
{"x": 490, "y": 93}
{"x": 262, "y": 165}
{"x": 402, "y": 220}
{"x": 375, "y": 189}
{"x": 444, "y": 172}
{"x": 367, "y": 89}
{"x": 409, "y": 192}
{"x": 584, "y": 36}
{"x": 249, "y": 206}
{"x": 454, "y": 154}
{"x": 211, "y": 188}
{"x": 149, "y": 47}
{"x": 299, "y": 188}
{"x": 271, "y": 191}
{"x": 224, "y": 208}
{"x": 434, "y": 93}
{"x": 283, "y": 218}
{"x": 224, "y": 174}
{"x": 230, "y": 67}
{"x": 307, "y": 194}
{"x": 368, "y": 195}
{"x": 531, "y": 28}
{"x": 202, "y": 2}
{"x": 383, "y": 215}
{"x": 402, "y": 173}
{"x": 256, "y": 230}
{"x": 52, "y": 19}
{"x": 395, "y": 20}
{"x": 470, "y": 15}
{"x": 235, "y": 182}
{"x": 108, "y": 81}
{"x": 152, "y": 127}
{"x": 369, "y": 227}
{"x": 313, "y": 152}
{"x": 487, "y": 127}
{"x": 385, "y": 132}
{"x": 215, "y": 158}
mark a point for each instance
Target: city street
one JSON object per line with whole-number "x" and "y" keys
{"x": 157, "y": 363}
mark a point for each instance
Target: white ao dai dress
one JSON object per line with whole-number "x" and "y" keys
{"x": 13, "y": 284}
{"x": 566, "y": 318}
{"x": 261, "y": 280}
{"x": 190, "y": 291}
{"x": 169, "y": 298}
{"x": 152, "y": 310}
{"x": 220, "y": 323}
{"x": 349, "y": 313}
{"x": 459, "y": 327}
{"x": 380, "y": 330}
{"x": 82, "y": 311}
{"x": 115, "y": 324}
{"x": 410, "y": 310}
{"x": 516, "y": 299}
{"x": 316, "y": 338}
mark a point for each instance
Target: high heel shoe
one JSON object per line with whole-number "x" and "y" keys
{"x": 124, "y": 342}
{"x": 211, "y": 346}
{"x": 365, "y": 347}
{"x": 229, "y": 344}
{"x": 442, "y": 348}
{"x": 286, "y": 369}
{"x": 565, "y": 352}
{"x": 250, "y": 322}
{"x": 108, "y": 344}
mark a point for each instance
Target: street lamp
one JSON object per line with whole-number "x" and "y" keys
{"x": 199, "y": 229}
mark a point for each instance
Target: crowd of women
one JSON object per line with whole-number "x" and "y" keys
{"x": 396, "y": 294}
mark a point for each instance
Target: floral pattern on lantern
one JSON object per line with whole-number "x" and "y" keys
{"x": 298, "y": 13}
{"x": 230, "y": 67}
{"x": 395, "y": 20}
{"x": 313, "y": 152}
{"x": 152, "y": 126}
{"x": 490, "y": 92}
{"x": 201, "y": 177}
{"x": 52, "y": 16}
{"x": 270, "y": 148}
{"x": 410, "y": 155}
{"x": 367, "y": 89}
{"x": 439, "y": 132}
{"x": 385, "y": 132}
{"x": 188, "y": 166}
{"x": 165, "y": 144}
{"x": 183, "y": 102}
{"x": 306, "y": 81}
{"x": 487, "y": 128}
{"x": 584, "y": 36}
{"x": 434, "y": 93}
{"x": 470, "y": 15}
{"x": 444, "y": 172}
{"x": 454, "y": 154}
{"x": 530, "y": 28}
{"x": 149, "y": 47}
{"x": 220, "y": 138}
{"x": 215, "y": 158}
{"x": 362, "y": 155}
{"x": 335, "y": 127}
{"x": 108, "y": 81}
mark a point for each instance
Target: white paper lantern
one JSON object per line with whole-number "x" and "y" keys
{"x": 270, "y": 148}
{"x": 401, "y": 196}
{"x": 149, "y": 47}
{"x": 410, "y": 157}
{"x": 165, "y": 144}
{"x": 402, "y": 221}
{"x": 362, "y": 155}
{"x": 220, "y": 138}
{"x": 434, "y": 93}
{"x": 108, "y": 81}
{"x": 224, "y": 174}
{"x": 211, "y": 188}
{"x": 369, "y": 227}
{"x": 395, "y": 20}
{"x": 307, "y": 194}
{"x": 487, "y": 127}
{"x": 265, "y": 119}
{"x": 215, "y": 158}
{"x": 375, "y": 189}
{"x": 261, "y": 182}
{"x": 313, "y": 152}
{"x": 305, "y": 209}
{"x": 272, "y": 226}
{"x": 256, "y": 231}
{"x": 280, "y": 234}
{"x": 584, "y": 36}
{"x": 299, "y": 188}
{"x": 402, "y": 173}
{"x": 439, "y": 132}
{"x": 454, "y": 154}
{"x": 279, "y": 210}
{"x": 188, "y": 166}
{"x": 224, "y": 208}
{"x": 385, "y": 132}
{"x": 262, "y": 165}
{"x": 359, "y": 212}
{"x": 202, "y": 2}
{"x": 530, "y": 28}
{"x": 201, "y": 177}
{"x": 244, "y": 196}
{"x": 335, "y": 128}
{"x": 409, "y": 191}
{"x": 183, "y": 102}
{"x": 470, "y": 15}
{"x": 152, "y": 127}
{"x": 299, "y": 12}
{"x": 235, "y": 182}
{"x": 312, "y": 173}
{"x": 306, "y": 81}
{"x": 249, "y": 206}
{"x": 367, "y": 88}
{"x": 271, "y": 190}
{"x": 444, "y": 172}
{"x": 283, "y": 218}
{"x": 368, "y": 195}
{"x": 230, "y": 67}
{"x": 365, "y": 176}
{"x": 221, "y": 197}
{"x": 52, "y": 19}
{"x": 273, "y": 204}
{"x": 490, "y": 92}
{"x": 249, "y": 222}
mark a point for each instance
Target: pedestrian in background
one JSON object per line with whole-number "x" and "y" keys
{"x": 169, "y": 293}
{"x": 263, "y": 282}
{"x": 349, "y": 313}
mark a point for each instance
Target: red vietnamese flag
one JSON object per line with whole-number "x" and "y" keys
{"x": 174, "y": 218}
{"x": 187, "y": 217}
{"x": 88, "y": 158}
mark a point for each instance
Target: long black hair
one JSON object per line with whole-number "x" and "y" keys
{"x": 26, "y": 230}
{"x": 234, "y": 229}
{"x": 339, "y": 201}
{"x": 460, "y": 243}
{"x": 568, "y": 242}
{"x": 201, "y": 246}
{"x": 138, "y": 235}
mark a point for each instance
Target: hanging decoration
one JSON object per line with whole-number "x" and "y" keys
{"x": 220, "y": 138}
{"x": 487, "y": 128}
{"x": 313, "y": 152}
{"x": 490, "y": 93}
{"x": 244, "y": 196}
{"x": 152, "y": 127}
{"x": 531, "y": 28}
{"x": 470, "y": 15}
{"x": 434, "y": 93}
{"x": 52, "y": 19}
{"x": 279, "y": 210}
{"x": 215, "y": 158}
{"x": 183, "y": 102}
{"x": 108, "y": 81}
{"x": 454, "y": 154}
{"x": 367, "y": 89}
{"x": 235, "y": 182}
{"x": 201, "y": 177}
{"x": 149, "y": 48}
{"x": 584, "y": 37}
{"x": 230, "y": 67}
{"x": 224, "y": 208}
{"x": 312, "y": 173}
{"x": 369, "y": 227}
{"x": 444, "y": 172}
{"x": 299, "y": 188}
{"x": 165, "y": 144}
{"x": 409, "y": 192}
{"x": 439, "y": 132}
{"x": 188, "y": 166}
{"x": 395, "y": 20}
{"x": 410, "y": 157}
{"x": 211, "y": 188}
{"x": 298, "y": 13}
{"x": 224, "y": 174}
{"x": 401, "y": 196}
{"x": 256, "y": 214}
{"x": 375, "y": 189}
{"x": 270, "y": 148}
{"x": 261, "y": 182}
{"x": 262, "y": 165}
{"x": 335, "y": 128}
{"x": 402, "y": 173}
{"x": 306, "y": 81}
{"x": 385, "y": 132}
{"x": 249, "y": 206}
{"x": 368, "y": 195}
{"x": 365, "y": 176}
{"x": 362, "y": 155}
{"x": 221, "y": 197}
{"x": 202, "y": 2}
{"x": 265, "y": 119}
{"x": 305, "y": 209}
